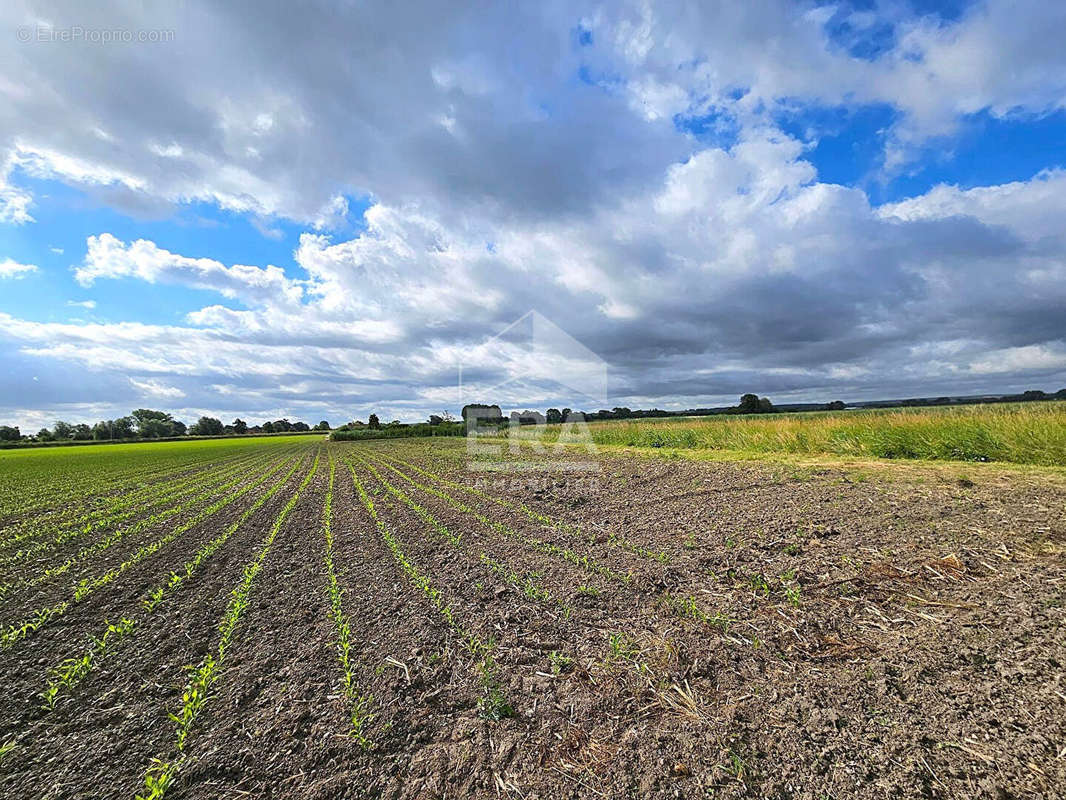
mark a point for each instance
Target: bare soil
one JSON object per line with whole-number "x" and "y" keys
{"x": 658, "y": 628}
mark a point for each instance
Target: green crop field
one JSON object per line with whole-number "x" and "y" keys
{"x": 300, "y": 617}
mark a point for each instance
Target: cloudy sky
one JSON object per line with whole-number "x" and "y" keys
{"x": 325, "y": 209}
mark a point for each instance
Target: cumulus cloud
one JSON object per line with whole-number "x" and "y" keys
{"x": 12, "y": 269}
{"x": 444, "y": 123}
{"x": 157, "y": 389}
{"x": 108, "y": 257}
{"x": 541, "y": 157}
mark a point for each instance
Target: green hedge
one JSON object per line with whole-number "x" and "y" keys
{"x": 399, "y": 431}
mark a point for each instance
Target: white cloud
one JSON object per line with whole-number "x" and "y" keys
{"x": 89, "y": 304}
{"x": 1047, "y": 358}
{"x": 742, "y": 270}
{"x": 15, "y": 202}
{"x": 108, "y": 257}
{"x": 155, "y": 388}
{"x": 510, "y": 173}
{"x": 12, "y": 269}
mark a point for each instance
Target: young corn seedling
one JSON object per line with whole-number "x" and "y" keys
{"x": 69, "y": 672}
{"x": 526, "y": 585}
{"x": 87, "y": 586}
{"x": 687, "y": 607}
{"x": 493, "y": 704}
{"x": 560, "y": 663}
{"x": 64, "y": 678}
{"x": 613, "y": 539}
{"x": 359, "y": 704}
{"x": 160, "y": 774}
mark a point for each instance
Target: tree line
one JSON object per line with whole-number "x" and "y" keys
{"x": 491, "y": 414}
{"x": 146, "y": 423}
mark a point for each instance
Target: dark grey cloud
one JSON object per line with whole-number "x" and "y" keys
{"x": 511, "y": 168}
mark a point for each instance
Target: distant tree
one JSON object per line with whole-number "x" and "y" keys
{"x": 178, "y": 428}
{"x": 374, "y": 423}
{"x": 621, "y": 412}
{"x": 301, "y": 427}
{"x": 553, "y": 416}
{"x": 207, "y": 426}
{"x": 82, "y": 432}
{"x": 527, "y": 417}
{"x": 240, "y": 426}
{"x": 62, "y": 431}
{"x": 435, "y": 419}
{"x": 394, "y": 424}
{"x": 110, "y": 429}
{"x": 566, "y": 412}
{"x": 480, "y": 411}
{"x": 44, "y": 435}
{"x": 268, "y": 427}
{"x": 9, "y": 433}
{"x": 1033, "y": 394}
{"x": 122, "y": 428}
{"x": 1060, "y": 393}
{"x": 749, "y": 404}
{"x": 282, "y": 426}
{"x": 322, "y": 426}
{"x": 836, "y": 405}
{"x": 155, "y": 424}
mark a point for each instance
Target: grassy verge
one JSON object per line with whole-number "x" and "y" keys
{"x": 1029, "y": 433}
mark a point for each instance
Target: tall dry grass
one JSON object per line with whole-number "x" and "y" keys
{"x": 1023, "y": 433}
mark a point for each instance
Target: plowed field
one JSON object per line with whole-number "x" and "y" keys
{"x": 292, "y": 618}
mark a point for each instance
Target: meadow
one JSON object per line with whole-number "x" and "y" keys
{"x": 299, "y": 617}
{"x": 1019, "y": 433}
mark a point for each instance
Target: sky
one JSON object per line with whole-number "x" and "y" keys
{"x": 327, "y": 209}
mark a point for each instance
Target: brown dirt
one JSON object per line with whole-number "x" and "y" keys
{"x": 805, "y": 633}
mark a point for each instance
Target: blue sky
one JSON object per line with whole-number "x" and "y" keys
{"x": 807, "y": 200}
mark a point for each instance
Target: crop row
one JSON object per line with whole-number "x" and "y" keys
{"x": 78, "y": 522}
{"x": 493, "y": 703}
{"x": 161, "y": 774}
{"x": 66, "y": 675}
{"x": 582, "y": 560}
{"x": 525, "y": 584}
{"x": 670, "y": 693}
{"x": 45, "y": 482}
{"x": 614, "y": 539}
{"x": 681, "y": 607}
{"x": 86, "y": 587}
{"x": 359, "y": 704}
{"x": 235, "y": 476}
